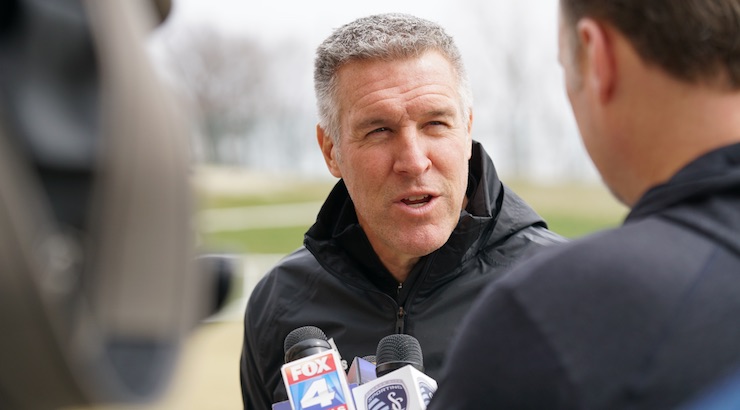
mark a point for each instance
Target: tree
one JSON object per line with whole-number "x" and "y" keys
{"x": 223, "y": 79}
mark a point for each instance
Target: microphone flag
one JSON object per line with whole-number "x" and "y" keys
{"x": 402, "y": 389}
{"x": 317, "y": 382}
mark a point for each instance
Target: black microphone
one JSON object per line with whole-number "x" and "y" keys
{"x": 401, "y": 382}
{"x": 313, "y": 373}
{"x": 396, "y": 351}
{"x": 218, "y": 271}
{"x": 305, "y": 341}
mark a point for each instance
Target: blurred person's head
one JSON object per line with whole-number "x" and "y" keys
{"x": 649, "y": 83}
{"x": 395, "y": 124}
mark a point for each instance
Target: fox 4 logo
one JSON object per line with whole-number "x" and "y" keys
{"x": 315, "y": 383}
{"x": 308, "y": 369}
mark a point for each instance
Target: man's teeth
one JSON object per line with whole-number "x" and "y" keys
{"x": 416, "y": 201}
{"x": 416, "y": 198}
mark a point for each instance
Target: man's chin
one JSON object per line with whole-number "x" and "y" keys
{"x": 423, "y": 243}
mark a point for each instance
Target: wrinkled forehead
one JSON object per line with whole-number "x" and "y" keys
{"x": 361, "y": 77}
{"x": 429, "y": 60}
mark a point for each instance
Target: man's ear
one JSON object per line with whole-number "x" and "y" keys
{"x": 599, "y": 66}
{"x": 326, "y": 143}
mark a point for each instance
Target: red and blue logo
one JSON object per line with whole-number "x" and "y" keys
{"x": 315, "y": 384}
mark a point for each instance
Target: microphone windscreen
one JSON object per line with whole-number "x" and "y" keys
{"x": 399, "y": 348}
{"x": 302, "y": 333}
{"x": 370, "y": 358}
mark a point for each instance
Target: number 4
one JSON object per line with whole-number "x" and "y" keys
{"x": 317, "y": 394}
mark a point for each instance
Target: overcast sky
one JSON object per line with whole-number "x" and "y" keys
{"x": 485, "y": 30}
{"x": 314, "y": 20}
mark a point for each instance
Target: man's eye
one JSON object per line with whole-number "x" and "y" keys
{"x": 379, "y": 130}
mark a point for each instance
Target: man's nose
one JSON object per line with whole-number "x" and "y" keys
{"x": 411, "y": 153}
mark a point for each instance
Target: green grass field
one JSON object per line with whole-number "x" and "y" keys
{"x": 573, "y": 210}
{"x": 570, "y": 210}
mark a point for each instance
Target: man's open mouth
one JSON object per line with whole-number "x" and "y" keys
{"x": 417, "y": 201}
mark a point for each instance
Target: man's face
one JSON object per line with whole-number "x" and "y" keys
{"x": 403, "y": 152}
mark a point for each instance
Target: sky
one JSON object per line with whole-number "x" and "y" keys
{"x": 314, "y": 20}
{"x": 484, "y": 30}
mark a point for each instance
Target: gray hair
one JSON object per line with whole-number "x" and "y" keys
{"x": 385, "y": 37}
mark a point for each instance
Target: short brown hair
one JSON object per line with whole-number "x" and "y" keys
{"x": 695, "y": 40}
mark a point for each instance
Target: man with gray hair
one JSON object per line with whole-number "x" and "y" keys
{"x": 417, "y": 224}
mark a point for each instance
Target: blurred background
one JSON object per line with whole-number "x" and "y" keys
{"x": 244, "y": 73}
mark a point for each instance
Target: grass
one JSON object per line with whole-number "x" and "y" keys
{"x": 282, "y": 193}
{"x": 571, "y": 210}
{"x": 274, "y": 240}
{"x": 574, "y": 226}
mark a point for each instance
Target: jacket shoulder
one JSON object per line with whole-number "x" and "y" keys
{"x": 290, "y": 278}
{"x": 521, "y": 245}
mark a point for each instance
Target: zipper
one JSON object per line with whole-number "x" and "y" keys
{"x": 401, "y": 314}
{"x": 400, "y": 320}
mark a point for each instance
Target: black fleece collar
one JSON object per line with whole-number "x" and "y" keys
{"x": 716, "y": 170}
{"x": 337, "y": 238}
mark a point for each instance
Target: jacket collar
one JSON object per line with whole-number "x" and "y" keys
{"x": 704, "y": 196}
{"x": 716, "y": 170}
{"x": 493, "y": 214}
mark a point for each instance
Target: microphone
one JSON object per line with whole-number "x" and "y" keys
{"x": 303, "y": 342}
{"x": 313, "y": 373}
{"x": 401, "y": 383}
{"x": 362, "y": 370}
{"x": 396, "y": 351}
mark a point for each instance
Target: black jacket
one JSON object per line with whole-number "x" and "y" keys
{"x": 641, "y": 317}
{"x": 338, "y": 284}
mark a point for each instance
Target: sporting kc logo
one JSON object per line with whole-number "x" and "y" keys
{"x": 426, "y": 392}
{"x": 388, "y": 397}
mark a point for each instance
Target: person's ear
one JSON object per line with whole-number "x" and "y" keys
{"x": 326, "y": 143}
{"x": 600, "y": 70}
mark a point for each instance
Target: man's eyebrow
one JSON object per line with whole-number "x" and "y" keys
{"x": 374, "y": 122}
{"x": 440, "y": 113}
{"x": 371, "y": 123}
